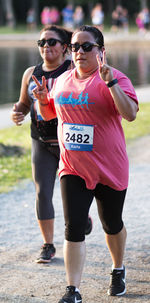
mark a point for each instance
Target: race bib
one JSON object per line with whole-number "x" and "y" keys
{"x": 78, "y": 136}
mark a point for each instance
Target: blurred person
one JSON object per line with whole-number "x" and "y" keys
{"x": 97, "y": 16}
{"x": 125, "y": 21}
{"x": 119, "y": 10}
{"x": 90, "y": 102}
{"x": 10, "y": 20}
{"x": 45, "y": 16}
{"x": 120, "y": 19}
{"x": 146, "y": 18}
{"x": 140, "y": 23}
{"x": 67, "y": 14}
{"x": 54, "y": 15}
{"x": 78, "y": 16}
{"x": 45, "y": 150}
{"x": 30, "y": 20}
{"x": 114, "y": 21}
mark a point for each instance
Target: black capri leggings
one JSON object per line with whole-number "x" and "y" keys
{"x": 44, "y": 167}
{"x": 77, "y": 200}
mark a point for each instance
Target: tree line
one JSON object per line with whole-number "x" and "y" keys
{"x": 13, "y": 12}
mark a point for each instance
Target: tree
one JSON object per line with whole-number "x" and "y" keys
{"x": 19, "y": 8}
{"x": 143, "y": 3}
{"x": 7, "y": 8}
{"x": 35, "y": 6}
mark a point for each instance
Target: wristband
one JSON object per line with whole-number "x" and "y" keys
{"x": 111, "y": 83}
{"x": 44, "y": 104}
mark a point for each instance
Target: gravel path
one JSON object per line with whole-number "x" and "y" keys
{"x": 22, "y": 280}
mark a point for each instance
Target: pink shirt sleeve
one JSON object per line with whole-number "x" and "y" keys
{"x": 125, "y": 84}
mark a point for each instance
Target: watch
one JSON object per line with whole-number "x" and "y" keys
{"x": 111, "y": 83}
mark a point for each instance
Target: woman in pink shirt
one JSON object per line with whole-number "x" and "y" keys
{"x": 90, "y": 102}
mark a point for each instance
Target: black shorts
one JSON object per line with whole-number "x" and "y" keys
{"x": 77, "y": 200}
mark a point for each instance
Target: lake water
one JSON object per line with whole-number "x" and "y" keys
{"x": 13, "y": 61}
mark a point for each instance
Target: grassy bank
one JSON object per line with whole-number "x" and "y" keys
{"x": 22, "y": 28}
{"x": 16, "y": 165}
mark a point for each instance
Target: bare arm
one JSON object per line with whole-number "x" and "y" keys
{"x": 22, "y": 107}
{"x": 126, "y": 106}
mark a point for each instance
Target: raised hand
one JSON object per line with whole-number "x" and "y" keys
{"x": 40, "y": 91}
{"x": 105, "y": 70}
{"x": 16, "y": 116}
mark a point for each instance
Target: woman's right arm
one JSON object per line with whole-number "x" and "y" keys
{"x": 22, "y": 107}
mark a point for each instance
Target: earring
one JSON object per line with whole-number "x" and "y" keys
{"x": 101, "y": 55}
{"x": 72, "y": 64}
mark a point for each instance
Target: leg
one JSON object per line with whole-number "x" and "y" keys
{"x": 110, "y": 206}
{"x": 47, "y": 230}
{"x": 44, "y": 167}
{"x": 76, "y": 203}
{"x": 74, "y": 257}
{"x": 116, "y": 244}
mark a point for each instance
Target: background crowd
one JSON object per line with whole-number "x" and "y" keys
{"x": 72, "y": 17}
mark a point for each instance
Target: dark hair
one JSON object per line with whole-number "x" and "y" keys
{"x": 96, "y": 33}
{"x": 63, "y": 34}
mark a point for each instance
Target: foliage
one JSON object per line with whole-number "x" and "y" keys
{"x": 21, "y": 7}
{"x": 60, "y": 4}
{"x": 132, "y": 6}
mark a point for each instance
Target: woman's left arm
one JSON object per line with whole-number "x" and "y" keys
{"x": 125, "y": 105}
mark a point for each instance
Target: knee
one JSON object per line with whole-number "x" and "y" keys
{"x": 41, "y": 195}
{"x": 44, "y": 206}
{"x": 74, "y": 232}
{"x": 112, "y": 228}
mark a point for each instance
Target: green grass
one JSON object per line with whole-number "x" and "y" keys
{"x": 16, "y": 30}
{"x": 22, "y": 28}
{"x": 19, "y": 29}
{"x": 141, "y": 126}
{"x": 13, "y": 169}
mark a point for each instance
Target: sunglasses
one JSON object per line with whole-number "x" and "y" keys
{"x": 86, "y": 46}
{"x": 50, "y": 42}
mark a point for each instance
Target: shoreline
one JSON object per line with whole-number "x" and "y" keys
{"x": 119, "y": 39}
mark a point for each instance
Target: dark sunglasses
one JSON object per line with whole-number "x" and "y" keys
{"x": 86, "y": 46}
{"x": 50, "y": 42}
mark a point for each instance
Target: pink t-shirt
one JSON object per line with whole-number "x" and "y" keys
{"x": 90, "y": 133}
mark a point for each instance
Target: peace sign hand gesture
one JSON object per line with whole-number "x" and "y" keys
{"x": 105, "y": 71}
{"x": 40, "y": 91}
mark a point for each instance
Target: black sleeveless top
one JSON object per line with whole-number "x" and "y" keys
{"x": 40, "y": 129}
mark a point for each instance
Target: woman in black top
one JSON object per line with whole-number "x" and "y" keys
{"x": 45, "y": 150}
